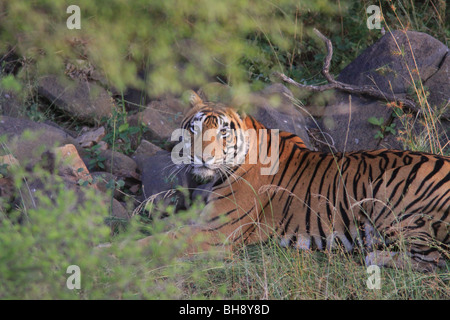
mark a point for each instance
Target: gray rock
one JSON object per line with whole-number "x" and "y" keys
{"x": 146, "y": 148}
{"x": 85, "y": 101}
{"x": 28, "y": 147}
{"x": 388, "y": 64}
{"x": 216, "y": 92}
{"x": 119, "y": 164}
{"x": 91, "y": 137}
{"x": 172, "y": 108}
{"x": 10, "y": 104}
{"x": 118, "y": 213}
{"x": 274, "y": 109}
{"x": 159, "y": 122}
{"x": 101, "y": 180}
{"x": 348, "y": 128}
{"x": 439, "y": 87}
{"x": 160, "y": 179}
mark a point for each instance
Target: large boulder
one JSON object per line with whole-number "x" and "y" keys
{"x": 27, "y": 140}
{"x": 395, "y": 61}
{"x": 119, "y": 164}
{"x": 160, "y": 118}
{"x": 86, "y": 101}
{"x": 393, "y": 64}
{"x": 273, "y": 107}
{"x": 439, "y": 86}
{"x": 162, "y": 181}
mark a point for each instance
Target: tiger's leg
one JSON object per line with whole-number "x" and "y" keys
{"x": 413, "y": 214}
{"x": 224, "y": 223}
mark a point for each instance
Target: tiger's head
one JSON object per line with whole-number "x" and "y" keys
{"x": 215, "y": 136}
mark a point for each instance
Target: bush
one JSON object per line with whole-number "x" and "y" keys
{"x": 66, "y": 227}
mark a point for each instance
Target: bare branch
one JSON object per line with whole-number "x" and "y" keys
{"x": 327, "y": 62}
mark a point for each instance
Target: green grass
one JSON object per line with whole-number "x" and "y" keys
{"x": 271, "y": 272}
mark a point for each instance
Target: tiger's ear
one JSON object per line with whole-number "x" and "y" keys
{"x": 194, "y": 99}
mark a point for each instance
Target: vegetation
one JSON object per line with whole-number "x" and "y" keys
{"x": 181, "y": 44}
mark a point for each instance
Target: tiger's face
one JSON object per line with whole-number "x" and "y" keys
{"x": 215, "y": 137}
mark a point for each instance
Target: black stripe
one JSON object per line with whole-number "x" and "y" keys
{"x": 308, "y": 195}
{"x": 394, "y": 174}
{"x": 232, "y": 221}
{"x": 221, "y": 215}
{"x": 346, "y": 221}
{"x": 437, "y": 167}
{"x": 440, "y": 184}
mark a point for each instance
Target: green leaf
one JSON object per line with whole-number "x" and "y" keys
{"x": 123, "y": 127}
{"x": 110, "y": 185}
{"x": 391, "y": 128}
{"x": 376, "y": 121}
{"x": 379, "y": 135}
{"x": 120, "y": 183}
{"x": 10, "y": 83}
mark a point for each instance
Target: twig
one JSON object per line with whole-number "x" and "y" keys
{"x": 334, "y": 84}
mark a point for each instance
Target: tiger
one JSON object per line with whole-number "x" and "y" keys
{"x": 370, "y": 200}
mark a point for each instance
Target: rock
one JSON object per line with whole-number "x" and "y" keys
{"x": 160, "y": 178}
{"x": 160, "y": 122}
{"x": 91, "y": 137}
{"x": 388, "y": 63}
{"x": 83, "y": 100}
{"x": 74, "y": 171}
{"x": 119, "y": 165}
{"x": 145, "y": 150}
{"x": 118, "y": 213}
{"x": 216, "y": 92}
{"x": 27, "y": 140}
{"x": 64, "y": 165}
{"x": 439, "y": 87}
{"x": 9, "y": 160}
{"x": 103, "y": 145}
{"x": 388, "y": 68}
{"x": 173, "y": 108}
{"x": 348, "y": 128}
{"x": 101, "y": 179}
{"x": 68, "y": 165}
{"x": 280, "y": 97}
{"x": 7, "y": 192}
{"x": 274, "y": 109}
{"x": 7, "y": 187}
{"x": 10, "y": 105}
{"x": 72, "y": 167}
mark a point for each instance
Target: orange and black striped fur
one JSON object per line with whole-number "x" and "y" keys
{"x": 365, "y": 199}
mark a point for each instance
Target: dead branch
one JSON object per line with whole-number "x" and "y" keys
{"x": 358, "y": 90}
